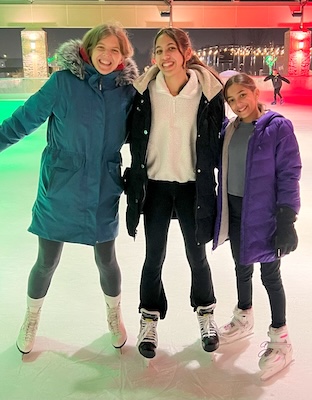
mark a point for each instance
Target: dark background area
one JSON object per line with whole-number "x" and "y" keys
{"x": 142, "y": 39}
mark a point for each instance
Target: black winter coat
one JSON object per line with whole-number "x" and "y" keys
{"x": 276, "y": 80}
{"x": 209, "y": 122}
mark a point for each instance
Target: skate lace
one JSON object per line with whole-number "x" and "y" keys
{"x": 31, "y": 324}
{"x": 231, "y": 324}
{"x": 113, "y": 320}
{"x": 268, "y": 347}
{"x": 208, "y": 327}
{"x": 148, "y": 331}
{"x": 238, "y": 322}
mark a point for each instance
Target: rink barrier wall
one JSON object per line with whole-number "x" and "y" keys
{"x": 300, "y": 88}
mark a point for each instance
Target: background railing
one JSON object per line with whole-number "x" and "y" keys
{"x": 19, "y": 88}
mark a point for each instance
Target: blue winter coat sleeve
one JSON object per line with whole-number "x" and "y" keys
{"x": 27, "y": 118}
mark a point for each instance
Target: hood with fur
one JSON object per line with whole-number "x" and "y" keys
{"x": 68, "y": 57}
{"x": 210, "y": 84}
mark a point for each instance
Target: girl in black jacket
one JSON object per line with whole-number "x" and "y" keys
{"x": 277, "y": 81}
{"x": 174, "y": 143}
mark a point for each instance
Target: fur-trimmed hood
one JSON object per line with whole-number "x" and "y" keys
{"x": 210, "y": 84}
{"x": 68, "y": 57}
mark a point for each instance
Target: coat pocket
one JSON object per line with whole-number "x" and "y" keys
{"x": 114, "y": 170}
{"x": 58, "y": 169}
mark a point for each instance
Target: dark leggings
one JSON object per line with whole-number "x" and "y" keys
{"x": 277, "y": 93}
{"x": 164, "y": 198}
{"x": 49, "y": 254}
{"x": 270, "y": 272}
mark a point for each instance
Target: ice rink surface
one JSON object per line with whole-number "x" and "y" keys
{"x": 73, "y": 359}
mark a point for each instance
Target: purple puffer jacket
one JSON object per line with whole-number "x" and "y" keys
{"x": 273, "y": 168}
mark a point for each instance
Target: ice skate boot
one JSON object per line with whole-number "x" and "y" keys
{"x": 273, "y": 103}
{"x": 148, "y": 338}
{"x": 115, "y": 322}
{"x": 278, "y": 353}
{"x": 208, "y": 328}
{"x": 27, "y": 334}
{"x": 282, "y": 101}
{"x": 241, "y": 326}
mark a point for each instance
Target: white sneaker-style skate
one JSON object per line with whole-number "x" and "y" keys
{"x": 241, "y": 326}
{"x": 148, "y": 338}
{"x": 27, "y": 334}
{"x": 208, "y": 328}
{"x": 116, "y": 326}
{"x": 278, "y": 353}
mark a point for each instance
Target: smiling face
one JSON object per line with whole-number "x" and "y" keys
{"x": 243, "y": 102}
{"x": 168, "y": 57}
{"x": 106, "y": 55}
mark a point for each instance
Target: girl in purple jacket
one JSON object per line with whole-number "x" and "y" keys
{"x": 257, "y": 206}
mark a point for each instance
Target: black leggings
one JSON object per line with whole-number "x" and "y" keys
{"x": 164, "y": 198}
{"x": 277, "y": 93}
{"x": 49, "y": 254}
{"x": 270, "y": 272}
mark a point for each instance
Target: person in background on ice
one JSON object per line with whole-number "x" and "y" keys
{"x": 175, "y": 127}
{"x": 258, "y": 200}
{"x": 86, "y": 104}
{"x": 277, "y": 81}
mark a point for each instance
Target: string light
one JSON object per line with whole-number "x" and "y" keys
{"x": 251, "y": 57}
{"x": 242, "y": 50}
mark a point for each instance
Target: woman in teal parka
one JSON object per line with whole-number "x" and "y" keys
{"x": 86, "y": 104}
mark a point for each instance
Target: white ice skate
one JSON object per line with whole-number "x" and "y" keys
{"x": 116, "y": 326}
{"x": 241, "y": 326}
{"x": 27, "y": 333}
{"x": 148, "y": 338}
{"x": 278, "y": 353}
{"x": 208, "y": 328}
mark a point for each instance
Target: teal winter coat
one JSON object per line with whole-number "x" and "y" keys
{"x": 80, "y": 174}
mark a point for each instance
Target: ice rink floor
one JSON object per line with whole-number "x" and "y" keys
{"x": 73, "y": 359}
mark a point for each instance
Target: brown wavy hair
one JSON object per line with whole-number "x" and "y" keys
{"x": 94, "y": 35}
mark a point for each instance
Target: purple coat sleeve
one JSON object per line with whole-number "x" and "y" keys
{"x": 273, "y": 171}
{"x": 288, "y": 166}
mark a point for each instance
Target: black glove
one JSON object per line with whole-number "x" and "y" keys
{"x": 286, "y": 239}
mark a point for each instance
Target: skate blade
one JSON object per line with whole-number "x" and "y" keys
{"x": 23, "y": 353}
{"x": 146, "y": 362}
{"x": 119, "y": 348}
{"x": 265, "y": 375}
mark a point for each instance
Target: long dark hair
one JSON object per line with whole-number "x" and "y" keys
{"x": 243, "y": 80}
{"x": 183, "y": 42}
